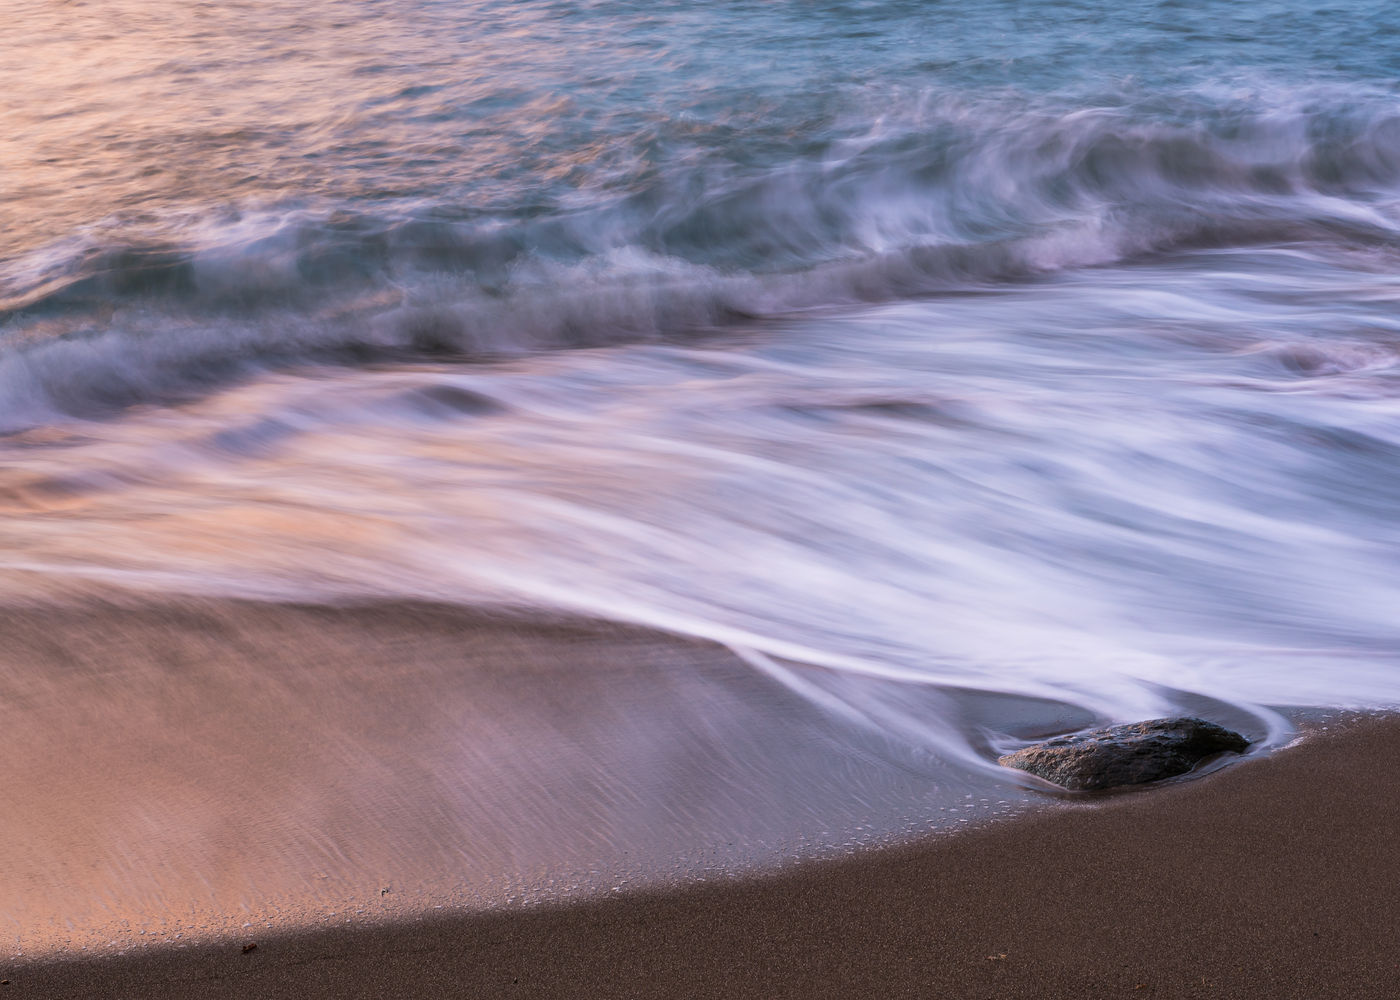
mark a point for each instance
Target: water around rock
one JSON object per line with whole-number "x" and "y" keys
{"x": 1131, "y": 754}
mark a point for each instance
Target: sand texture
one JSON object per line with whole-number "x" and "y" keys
{"x": 1274, "y": 878}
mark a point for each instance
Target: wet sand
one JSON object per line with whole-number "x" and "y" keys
{"x": 1274, "y": 878}
{"x": 180, "y": 770}
{"x": 314, "y": 780}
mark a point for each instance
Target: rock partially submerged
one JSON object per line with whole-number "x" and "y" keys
{"x": 1131, "y": 754}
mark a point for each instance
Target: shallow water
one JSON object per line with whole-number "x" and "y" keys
{"x": 911, "y": 351}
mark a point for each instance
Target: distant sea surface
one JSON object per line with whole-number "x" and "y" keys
{"x": 1038, "y": 349}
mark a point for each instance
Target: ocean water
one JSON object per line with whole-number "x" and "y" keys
{"x": 1037, "y": 349}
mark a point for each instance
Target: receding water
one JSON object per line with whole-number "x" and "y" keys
{"x": 1036, "y": 349}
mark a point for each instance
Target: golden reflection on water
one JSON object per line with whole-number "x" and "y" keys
{"x": 136, "y": 111}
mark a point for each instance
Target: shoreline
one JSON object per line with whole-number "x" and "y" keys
{"x": 182, "y": 770}
{"x": 1269, "y": 878}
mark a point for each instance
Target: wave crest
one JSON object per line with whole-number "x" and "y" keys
{"x": 949, "y": 195}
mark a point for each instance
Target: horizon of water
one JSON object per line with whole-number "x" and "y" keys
{"x": 1045, "y": 350}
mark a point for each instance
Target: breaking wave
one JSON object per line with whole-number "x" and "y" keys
{"x": 940, "y": 195}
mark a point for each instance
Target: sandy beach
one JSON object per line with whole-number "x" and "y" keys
{"x": 1270, "y": 878}
{"x": 532, "y": 498}
{"x": 181, "y": 770}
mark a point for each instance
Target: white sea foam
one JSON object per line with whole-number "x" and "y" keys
{"x": 1130, "y": 490}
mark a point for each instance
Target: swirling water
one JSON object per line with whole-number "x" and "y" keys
{"x": 1047, "y": 349}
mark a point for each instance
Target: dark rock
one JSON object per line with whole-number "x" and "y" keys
{"x": 1132, "y": 754}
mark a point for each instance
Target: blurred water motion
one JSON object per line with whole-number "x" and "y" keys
{"x": 930, "y": 373}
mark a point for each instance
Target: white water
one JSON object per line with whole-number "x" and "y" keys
{"x": 1121, "y": 488}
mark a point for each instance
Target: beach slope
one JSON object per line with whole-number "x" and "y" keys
{"x": 1274, "y": 878}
